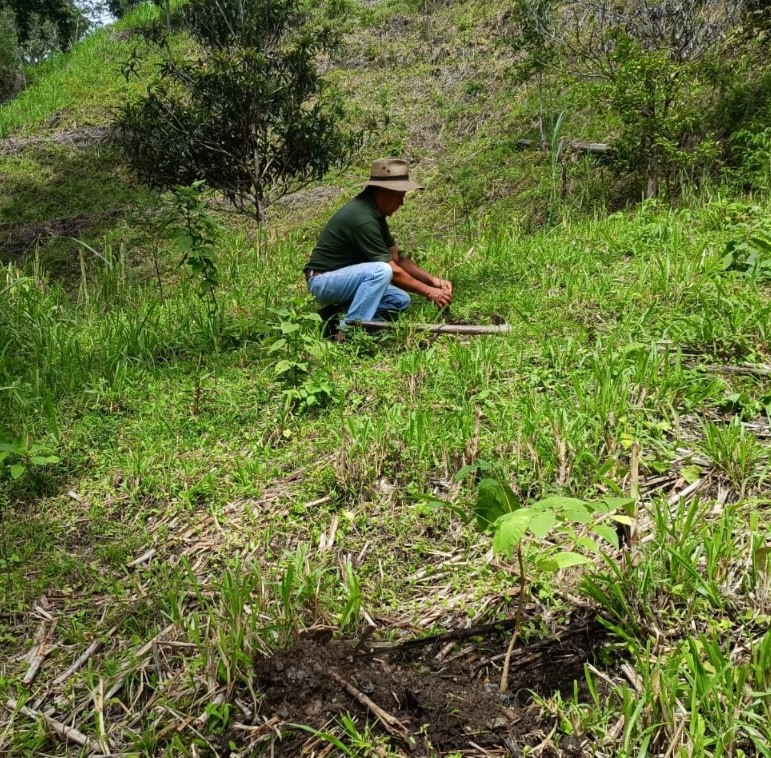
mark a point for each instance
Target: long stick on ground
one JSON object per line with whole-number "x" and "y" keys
{"x": 87, "y": 653}
{"x": 440, "y": 328}
{"x": 379, "y": 648}
{"x": 68, "y": 732}
{"x": 392, "y": 724}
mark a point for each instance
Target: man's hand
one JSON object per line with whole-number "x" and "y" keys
{"x": 441, "y": 298}
{"x": 443, "y": 284}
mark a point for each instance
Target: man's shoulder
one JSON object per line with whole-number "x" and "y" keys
{"x": 357, "y": 211}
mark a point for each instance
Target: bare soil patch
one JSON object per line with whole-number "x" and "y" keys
{"x": 443, "y": 701}
{"x": 82, "y": 137}
{"x": 19, "y": 239}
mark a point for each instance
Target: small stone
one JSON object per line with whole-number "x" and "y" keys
{"x": 314, "y": 708}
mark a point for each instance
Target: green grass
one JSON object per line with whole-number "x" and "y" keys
{"x": 161, "y": 424}
{"x": 178, "y": 436}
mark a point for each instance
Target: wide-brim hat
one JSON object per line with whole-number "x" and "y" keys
{"x": 392, "y": 174}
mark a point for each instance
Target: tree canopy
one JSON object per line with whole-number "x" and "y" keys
{"x": 248, "y": 113}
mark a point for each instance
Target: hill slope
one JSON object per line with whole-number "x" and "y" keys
{"x": 237, "y": 505}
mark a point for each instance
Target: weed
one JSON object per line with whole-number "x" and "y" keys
{"x": 20, "y": 457}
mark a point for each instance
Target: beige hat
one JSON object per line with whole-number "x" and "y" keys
{"x": 392, "y": 174}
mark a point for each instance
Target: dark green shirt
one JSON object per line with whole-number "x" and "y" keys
{"x": 357, "y": 233}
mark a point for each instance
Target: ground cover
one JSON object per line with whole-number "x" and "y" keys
{"x": 206, "y": 515}
{"x": 248, "y": 527}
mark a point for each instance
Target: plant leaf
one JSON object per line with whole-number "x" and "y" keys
{"x": 608, "y": 533}
{"x": 458, "y": 510}
{"x": 17, "y": 470}
{"x": 564, "y": 560}
{"x": 282, "y": 367}
{"x": 471, "y": 468}
{"x": 509, "y": 530}
{"x": 542, "y": 522}
{"x": 690, "y": 473}
{"x": 41, "y": 460}
{"x": 493, "y": 501}
{"x": 618, "y": 503}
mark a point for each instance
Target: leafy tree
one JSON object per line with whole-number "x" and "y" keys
{"x": 47, "y": 25}
{"x": 11, "y": 78}
{"x": 119, "y": 7}
{"x": 41, "y": 27}
{"x": 248, "y": 114}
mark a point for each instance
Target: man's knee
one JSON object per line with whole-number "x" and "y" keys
{"x": 394, "y": 301}
{"x": 382, "y": 272}
{"x": 401, "y": 300}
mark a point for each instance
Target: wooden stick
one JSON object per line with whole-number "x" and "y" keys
{"x": 634, "y": 493}
{"x": 37, "y": 655}
{"x": 595, "y": 148}
{"x": 101, "y": 731}
{"x": 455, "y": 634}
{"x": 142, "y": 558}
{"x": 532, "y": 651}
{"x": 87, "y": 653}
{"x": 67, "y": 732}
{"x": 126, "y": 668}
{"x": 439, "y": 328}
{"x": 689, "y": 490}
{"x": 393, "y": 726}
{"x": 746, "y": 369}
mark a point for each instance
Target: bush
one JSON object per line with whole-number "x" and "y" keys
{"x": 249, "y": 115}
{"x": 11, "y": 78}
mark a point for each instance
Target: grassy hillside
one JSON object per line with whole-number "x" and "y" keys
{"x": 234, "y": 510}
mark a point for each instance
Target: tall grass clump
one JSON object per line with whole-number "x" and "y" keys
{"x": 58, "y": 346}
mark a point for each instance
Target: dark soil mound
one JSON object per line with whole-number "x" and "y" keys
{"x": 438, "y": 704}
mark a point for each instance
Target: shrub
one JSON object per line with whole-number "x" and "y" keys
{"x": 248, "y": 115}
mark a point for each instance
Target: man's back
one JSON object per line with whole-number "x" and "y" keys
{"x": 357, "y": 233}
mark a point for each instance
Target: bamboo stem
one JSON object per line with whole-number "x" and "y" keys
{"x": 440, "y": 328}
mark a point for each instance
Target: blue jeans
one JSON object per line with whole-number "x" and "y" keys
{"x": 365, "y": 289}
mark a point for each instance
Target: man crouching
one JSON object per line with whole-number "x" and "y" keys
{"x": 357, "y": 265}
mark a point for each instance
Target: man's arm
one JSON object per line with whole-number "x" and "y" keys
{"x": 410, "y": 277}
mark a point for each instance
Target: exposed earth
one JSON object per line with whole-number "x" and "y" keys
{"x": 438, "y": 699}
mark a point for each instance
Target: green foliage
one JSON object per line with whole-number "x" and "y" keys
{"x": 526, "y": 24}
{"x": 11, "y": 78}
{"x": 248, "y": 115}
{"x": 300, "y": 350}
{"x": 45, "y": 26}
{"x": 118, "y": 8}
{"x": 659, "y": 101}
{"x": 751, "y": 258}
{"x": 614, "y": 321}
{"x": 194, "y": 232}
{"x": 657, "y": 69}
{"x": 753, "y": 155}
{"x": 19, "y": 457}
{"x": 498, "y": 510}
{"x": 749, "y": 254}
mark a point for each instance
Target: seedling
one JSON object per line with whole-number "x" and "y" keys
{"x": 500, "y": 511}
{"x": 17, "y": 458}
